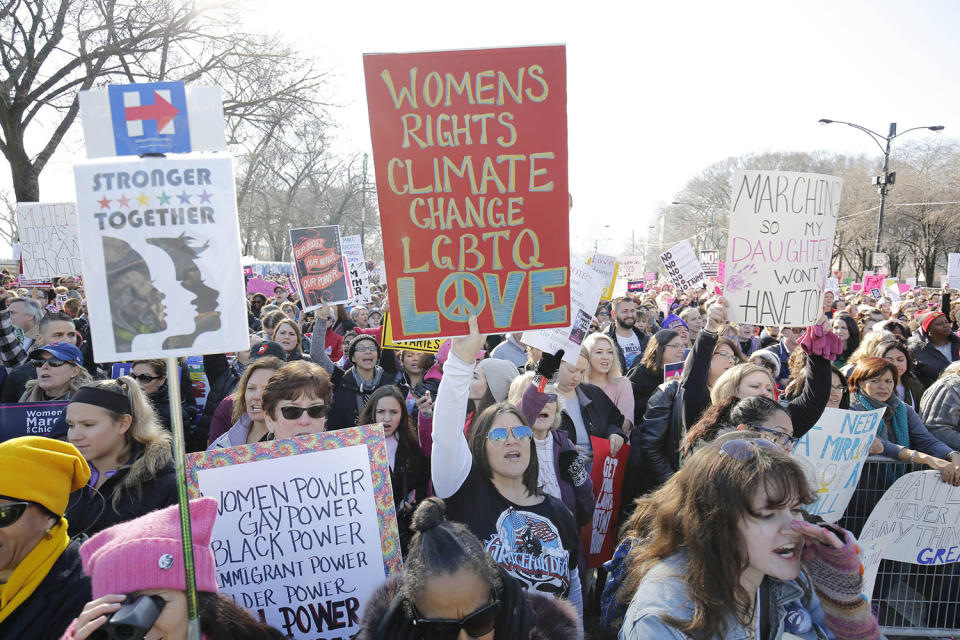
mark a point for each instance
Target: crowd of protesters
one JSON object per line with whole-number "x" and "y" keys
{"x": 486, "y": 438}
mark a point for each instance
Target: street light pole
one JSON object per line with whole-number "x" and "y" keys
{"x": 884, "y": 180}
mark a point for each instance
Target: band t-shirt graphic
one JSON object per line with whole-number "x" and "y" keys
{"x": 630, "y": 346}
{"x": 536, "y": 544}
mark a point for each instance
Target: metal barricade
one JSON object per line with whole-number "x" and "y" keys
{"x": 909, "y": 600}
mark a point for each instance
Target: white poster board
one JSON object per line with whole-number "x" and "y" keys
{"x": 49, "y": 241}
{"x": 833, "y": 284}
{"x": 352, "y": 248}
{"x": 297, "y": 535}
{"x": 585, "y": 287}
{"x": 833, "y": 451}
{"x": 710, "y": 261}
{"x": 161, "y": 256}
{"x": 782, "y": 226}
{"x": 953, "y": 270}
{"x": 682, "y": 266}
{"x": 915, "y": 521}
{"x": 607, "y": 267}
{"x": 631, "y": 267}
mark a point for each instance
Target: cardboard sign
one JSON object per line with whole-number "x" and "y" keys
{"x": 914, "y": 522}
{"x": 28, "y": 418}
{"x": 682, "y": 266}
{"x": 49, "y": 242}
{"x": 431, "y": 345}
{"x": 585, "y": 287}
{"x": 781, "y": 238}
{"x": 470, "y": 150}
{"x": 832, "y": 284}
{"x": 306, "y": 528}
{"x": 833, "y": 452}
{"x": 953, "y": 270}
{"x": 352, "y": 247}
{"x": 709, "y": 260}
{"x": 872, "y": 281}
{"x": 259, "y": 285}
{"x": 607, "y": 267}
{"x": 321, "y": 270}
{"x": 155, "y": 117}
{"x": 161, "y": 256}
{"x": 631, "y": 267}
{"x": 650, "y": 276}
{"x": 600, "y": 536}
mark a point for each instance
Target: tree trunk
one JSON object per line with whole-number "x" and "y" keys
{"x": 26, "y": 179}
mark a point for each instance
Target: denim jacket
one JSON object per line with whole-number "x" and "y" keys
{"x": 663, "y": 592}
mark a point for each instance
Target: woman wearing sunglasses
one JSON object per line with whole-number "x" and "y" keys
{"x": 130, "y": 455}
{"x": 700, "y": 571}
{"x": 42, "y": 587}
{"x": 123, "y": 562}
{"x": 409, "y": 468}
{"x": 491, "y": 483}
{"x": 296, "y": 400}
{"x": 151, "y": 375}
{"x": 451, "y": 589}
{"x": 60, "y": 373}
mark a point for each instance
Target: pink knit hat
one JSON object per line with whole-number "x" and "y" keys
{"x": 146, "y": 553}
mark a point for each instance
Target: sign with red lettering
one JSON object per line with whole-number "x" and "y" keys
{"x": 470, "y": 149}
{"x": 600, "y": 536}
{"x": 320, "y": 268}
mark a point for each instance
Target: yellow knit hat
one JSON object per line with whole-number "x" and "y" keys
{"x": 41, "y": 470}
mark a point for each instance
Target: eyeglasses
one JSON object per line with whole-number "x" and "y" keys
{"x": 741, "y": 450}
{"x": 294, "y": 413}
{"x": 838, "y": 389}
{"x": 11, "y": 512}
{"x": 144, "y": 378}
{"x": 674, "y": 346}
{"x": 53, "y": 362}
{"x": 500, "y": 434}
{"x": 725, "y": 356}
{"x": 479, "y": 623}
{"x": 788, "y": 442}
{"x": 365, "y": 348}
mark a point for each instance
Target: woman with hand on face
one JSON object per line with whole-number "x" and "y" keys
{"x": 122, "y": 564}
{"x": 904, "y": 436}
{"x": 60, "y": 373}
{"x": 409, "y": 468}
{"x": 151, "y": 375}
{"x": 603, "y": 370}
{"x": 249, "y": 420}
{"x": 490, "y": 483}
{"x": 130, "y": 455}
{"x": 678, "y": 585}
{"x": 42, "y": 586}
{"x": 452, "y": 589}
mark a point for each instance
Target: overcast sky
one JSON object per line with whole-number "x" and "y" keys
{"x": 658, "y": 91}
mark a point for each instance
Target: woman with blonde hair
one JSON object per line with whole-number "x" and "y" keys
{"x": 249, "y": 420}
{"x": 60, "y": 373}
{"x": 603, "y": 370}
{"x": 116, "y": 430}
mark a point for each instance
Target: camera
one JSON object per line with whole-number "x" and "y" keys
{"x": 132, "y": 620}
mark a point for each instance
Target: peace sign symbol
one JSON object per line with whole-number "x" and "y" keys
{"x": 461, "y": 307}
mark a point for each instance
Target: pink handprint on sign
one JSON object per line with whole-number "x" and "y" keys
{"x": 741, "y": 278}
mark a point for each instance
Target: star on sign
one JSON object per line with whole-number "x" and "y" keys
{"x": 184, "y": 198}
{"x": 164, "y": 198}
{"x": 143, "y": 199}
{"x": 105, "y": 203}
{"x": 205, "y": 197}
{"x": 123, "y": 201}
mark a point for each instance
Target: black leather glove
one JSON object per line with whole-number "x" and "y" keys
{"x": 549, "y": 364}
{"x": 573, "y": 467}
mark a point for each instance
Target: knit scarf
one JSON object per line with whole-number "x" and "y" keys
{"x": 31, "y": 571}
{"x": 895, "y": 407}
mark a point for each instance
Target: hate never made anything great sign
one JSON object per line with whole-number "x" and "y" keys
{"x": 470, "y": 149}
{"x": 781, "y": 238}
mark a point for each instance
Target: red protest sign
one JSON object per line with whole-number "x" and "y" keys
{"x": 470, "y": 149}
{"x": 599, "y": 537}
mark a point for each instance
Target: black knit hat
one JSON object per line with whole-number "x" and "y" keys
{"x": 352, "y": 347}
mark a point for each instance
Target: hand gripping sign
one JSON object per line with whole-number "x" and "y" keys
{"x": 470, "y": 149}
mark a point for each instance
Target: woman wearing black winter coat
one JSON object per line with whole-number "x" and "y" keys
{"x": 665, "y": 347}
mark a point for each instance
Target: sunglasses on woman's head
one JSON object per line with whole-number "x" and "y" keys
{"x": 53, "y": 362}
{"x": 294, "y": 413}
{"x": 500, "y": 434}
{"x": 11, "y": 512}
{"x": 741, "y": 450}
{"x": 479, "y": 623}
